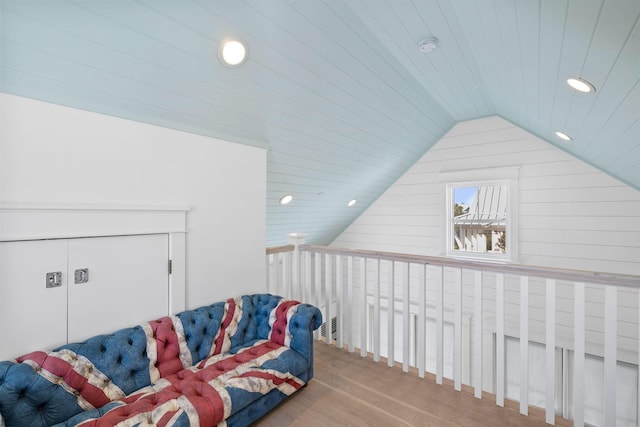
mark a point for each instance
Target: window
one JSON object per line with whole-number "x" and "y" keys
{"x": 481, "y": 214}
{"x": 480, "y": 219}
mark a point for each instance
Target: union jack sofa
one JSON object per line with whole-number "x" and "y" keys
{"x": 224, "y": 364}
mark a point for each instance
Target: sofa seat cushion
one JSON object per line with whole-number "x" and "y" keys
{"x": 208, "y": 393}
{"x": 288, "y": 361}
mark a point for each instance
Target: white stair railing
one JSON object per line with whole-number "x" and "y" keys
{"x": 384, "y": 304}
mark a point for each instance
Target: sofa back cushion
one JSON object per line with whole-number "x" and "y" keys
{"x": 41, "y": 389}
{"x": 217, "y": 328}
{"x": 265, "y": 304}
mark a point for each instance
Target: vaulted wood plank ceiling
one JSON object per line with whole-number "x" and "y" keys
{"x": 337, "y": 89}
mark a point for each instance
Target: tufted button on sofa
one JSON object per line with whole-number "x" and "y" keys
{"x": 230, "y": 362}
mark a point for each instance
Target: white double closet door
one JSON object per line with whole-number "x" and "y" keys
{"x": 127, "y": 284}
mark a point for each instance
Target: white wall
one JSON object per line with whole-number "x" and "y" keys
{"x": 570, "y": 214}
{"x": 50, "y": 154}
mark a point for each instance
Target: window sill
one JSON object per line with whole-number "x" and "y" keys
{"x": 488, "y": 259}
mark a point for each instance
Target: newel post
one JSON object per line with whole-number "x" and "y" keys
{"x": 296, "y": 239}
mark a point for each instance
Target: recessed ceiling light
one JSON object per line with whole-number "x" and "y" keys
{"x": 233, "y": 52}
{"x": 580, "y": 85}
{"x": 352, "y": 202}
{"x": 428, "y": 45}
{"x": 286, "y": 199}
{"x": 563, "y": 136}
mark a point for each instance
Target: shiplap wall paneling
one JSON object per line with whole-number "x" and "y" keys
{"x": 570, "y": 214}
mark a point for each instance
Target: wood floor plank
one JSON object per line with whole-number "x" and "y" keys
{"x": 349, "y": 390}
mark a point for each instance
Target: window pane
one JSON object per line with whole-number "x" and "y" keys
{"x": 480, "y": 219}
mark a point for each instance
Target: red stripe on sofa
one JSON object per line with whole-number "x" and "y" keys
{"x": 233, "y": 361}
{"x": 219, "y": 340}
{"x": 37, "y": 356}
{"x": 273, "y": 378}
{"x": 66, "y": 372}
{"x": 168, "y": 347}
{"x": 279, "y": 327}
{"x": 167, "y": 418}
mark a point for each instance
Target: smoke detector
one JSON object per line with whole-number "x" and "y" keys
{"x": 428, "y": 45}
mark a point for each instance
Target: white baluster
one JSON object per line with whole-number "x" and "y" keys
{"x": 286, "y": 275}
{"x": 391, "y": 278}
{"x": 477, "y": 333}
{"x": 296, "y": 239}
{"x": 457, "y": 328}
{"x": 405, "y": 317}
{"x": 349, "y": 311}
{"x": 328, "y": 285}
{"x": 339, "y": 296}
{"x": 294, "y": 281}
{"x": 610, "y": 353}
{"x": 376, "y": 311}
{"x": 439, "y": 324}
{"x": 578, "y": 355}
{"x": 279, "y": 284}
{"x": 500, "y": 339}
{"x": 422, "y": 310}
{"x": 307, "y": 278}
{"x": 524, "y": 345}
{"x": 550, "y": 366}
{"x": 318, "y": 285}
{"x": 363, "y": 307}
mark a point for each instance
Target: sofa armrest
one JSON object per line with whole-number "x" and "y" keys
{"x": 292, "y": 323}
{"x": 301, "y": 325}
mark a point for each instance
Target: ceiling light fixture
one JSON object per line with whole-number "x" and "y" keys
{"x": 286, "y": 199}
{"x": 563, "y": 136}
{"x": 428, "y": 45}
{"x": 580, "y": 85}
{"x": 233, "y": 52}
{"x": 352, "y": 202}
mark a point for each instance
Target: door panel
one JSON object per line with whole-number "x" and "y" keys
{"x": 32, "y": 316}
{"x": 128, "y": 283}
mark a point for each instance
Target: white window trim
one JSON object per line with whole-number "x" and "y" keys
{"x": 476, "y": 177}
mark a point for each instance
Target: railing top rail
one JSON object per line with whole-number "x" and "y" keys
{"x": 516, "y": 269}
{"x": 279, "y": 249}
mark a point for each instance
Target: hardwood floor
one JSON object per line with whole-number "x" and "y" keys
{"x": 348, "y": 390}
